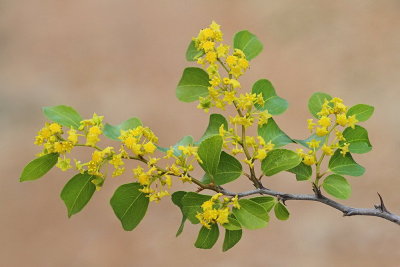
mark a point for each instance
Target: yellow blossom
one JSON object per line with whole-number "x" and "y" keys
{"x": 149, "y": 147}
{"x": 327, "y": 150}
{"x": 313, "y": 144}
{"x": 55, "y": 128}
{"x": 309, "y": 159}
{"x": 324, "y": 121}
{"x": 341, "y": 119}
{"x": 321, "y": 131}
{"x": 351, "y": 121}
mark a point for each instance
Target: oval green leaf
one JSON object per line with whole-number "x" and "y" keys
{"x": 209, "y": 152}
{"x": 271, "y": 132}
{"x": 251, "y": 215}
{"x": 38, "y": 167}
{"x": 231, "y": 239}
{"x": 337, "y": 186}
{"x": 229, "y": 169}
{"x": 363, "y": 112}
{"x": 345, "y": 165}
{"x": 64, "y": 115}
{"x": 279, "y": 160}
{"x": 177, "y": 200}
{"x": 77, "y": 192}
{"x": 207, "y": 237}
{"x": 113, "y": 132}
{"x": 129, "y": 205}
{"x": 193, "y": 84}
{"x": 358, "y": 139}
{"x": 315, "y": 102}
{"x": 192, "y": 54}
{"x": 281, "y": 212}
{"x": 273, "y": 103}
{"x": 233, "y": 224}
{"x": 248, "y": 43}
{"x": 303, "y": 172}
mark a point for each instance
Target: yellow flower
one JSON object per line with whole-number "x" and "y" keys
{"x": 222, "y": 50}
{"x": 310, "y": 124}
{"x": 351, "y": 121}
{"x": 341, "y": 119}
{"x": 93, "y": 136}
{"x": 72, "y": 136}
{"x": 261, "y": 154}
{"x": 309, "y": 159}
{"x": 207, "y": 205}
{"x": 55, "y": 128}
{"x": 208, "y": 46}
{"x": 321, "y": 131}
{"x": 327, "y": 150}
{"x": 211, "y": 56}
{"x": 149, "y": 147}
{"x": 324, "y": 121}
{"x": 223, "y": 215}
{"x": 313, "y": 144}
{"x": 344, "y": 149}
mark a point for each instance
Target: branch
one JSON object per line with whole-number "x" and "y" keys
{"x": 379, "y": 210}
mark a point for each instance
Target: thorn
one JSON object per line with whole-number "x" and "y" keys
{"x": 381, "y": 206}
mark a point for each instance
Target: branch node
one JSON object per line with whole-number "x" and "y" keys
{"x": 381, "y": 206}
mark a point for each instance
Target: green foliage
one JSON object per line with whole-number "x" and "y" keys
{"x": 271, "y": 132}
{"x": 279, "y": 160}
{"x": 303, "y": 172}
{"x": 215, "y": 122}
{"x": 233, "y": 224}
{"x": 77, "y": 192}
{"x": 229, "y": 169}
{"x": 38, "y": 167}
{"x": 192, "y": 54}
{"x": 193, "y": 84}
{"x": 64, "y": 115}
{"x": 358, "y": 139}
{"x": 129, "y": 205}
{"x": 209, "y": 152}
{"x": 337, "y": 186}
{"x": 248, "y": 43}
{"x": 361, "y": 111}
{"x": 315, "y": 102}
{"x": 177, "y": 200}
{"x": 345, "y": 165}
{"x": 207, "y": 237}
{"x": 273, "y": 103}
{"x": 281, "y": 211}
{"x": 251, "y": 215}
{"x": 231, "y": 239}
{"x": 113, "y": 132}
{"x": 266, "y": 202}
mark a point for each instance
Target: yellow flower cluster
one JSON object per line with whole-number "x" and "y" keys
{"x": 184, "y": 162}
{"x": 93, "y": 129}
{"x": 139, "y": 140}
{"x": 217, "y": 211}
{"x": 222, "y": 90}
{"x": 324, "y": 126}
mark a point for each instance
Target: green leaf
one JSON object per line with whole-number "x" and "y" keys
{"x": 193, "y": 84}
{"x": 177, "y": 200}
{"x": 266, "y": 202}
{"x": 345, "y": 165}
{"x": 248, "y": 43}
{"x": 281, "y": 212}
{"x": 191, "y": 203}
{"x": 231, "y": 239}
{"x": 337, "y": 186}
{"x": 185, "y": 141}
{"x": 273, "y": 103}
{"x": 271, "y": 132}
{"x": 215, "y": 122}
{"x": 113, "y": 132}
{"x": 209, "y": 152}
{"x": 358, "y": 139}
{"x": 313, "y": 136}
{"x": 315, "y": 102}
{"x": 38, "y": 167}
{"x": 77, "y": 192}
{"x": 229, "y": 169}
{"x": 233, "y": 224}
{"x": 251, "y": 215}
{"x": 192, "y": 54}
{"x": 64, "y": 115}
{"x": 207, "y": 237}
{"x": 303, "y": 172}
{"x": 129, "y": 205}
{"x": 362, "y": 112}
{"x": 279, "y": 160}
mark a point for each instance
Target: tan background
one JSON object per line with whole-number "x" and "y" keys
{"x": 124, "y": 58}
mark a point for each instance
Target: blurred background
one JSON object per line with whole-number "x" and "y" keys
{"x": 123, "y": 59}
